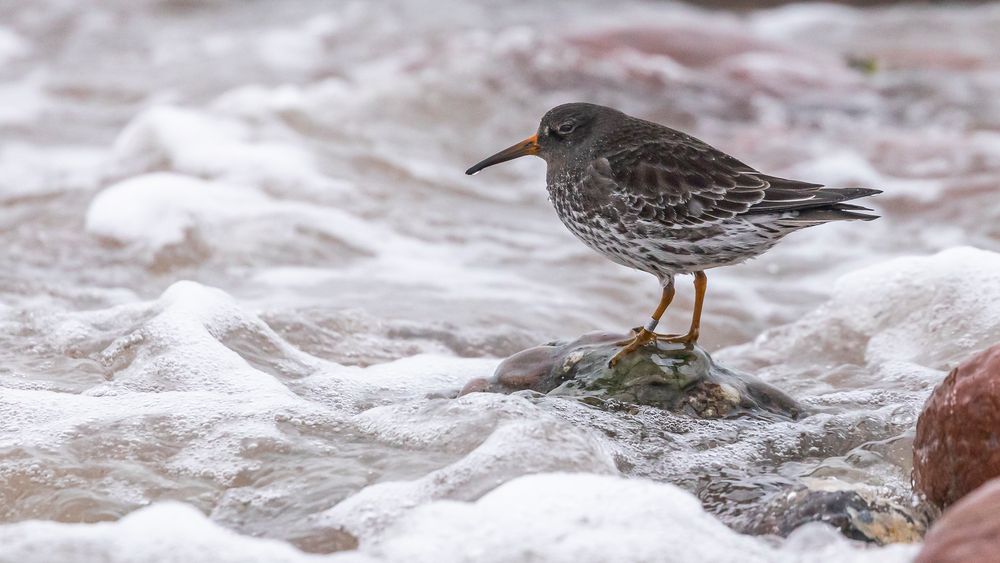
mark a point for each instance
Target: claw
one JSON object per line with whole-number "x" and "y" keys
{"x": 640, "y": 339}
{"x": 688, "y": 340}
{"x": 670, "y": 337}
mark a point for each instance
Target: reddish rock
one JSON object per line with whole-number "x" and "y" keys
{"x": 968, "y": 531}
{"x": 532, "y": 368}
{"x": 957, "y": 446}
{"x": 523, "y": 370}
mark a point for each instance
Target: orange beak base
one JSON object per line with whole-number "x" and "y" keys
{"x": 524, "y": 148}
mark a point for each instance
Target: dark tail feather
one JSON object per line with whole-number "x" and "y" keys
{"x": 827, "y": 206}
{"x": 852, "y": 207}
{"x": 781, "y": 199}
{"x": 835, "y": 212}
{"x": 851, "y": 193}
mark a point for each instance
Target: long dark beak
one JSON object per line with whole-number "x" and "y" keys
{"x": 525, "y": 147}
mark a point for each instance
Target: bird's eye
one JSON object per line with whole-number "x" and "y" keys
{"x": 567, "y": 127}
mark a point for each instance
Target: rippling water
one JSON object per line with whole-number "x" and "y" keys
{"x": 243, "y": 270}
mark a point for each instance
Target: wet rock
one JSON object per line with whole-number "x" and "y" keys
{"x": 667, "y": 376}
{"x": 957, "y": 444}
{"x": 326, "y": 540}
{"x": 857, "y": 513}
{"x": 968, "y": 531}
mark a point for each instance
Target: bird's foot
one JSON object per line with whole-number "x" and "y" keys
{"x": 641, "y": 338}
{"x": 638, "y": 329}
{"x": 688, "y": 340}
{"x": 659, "y": 336}
{"x": 635, "y": 332}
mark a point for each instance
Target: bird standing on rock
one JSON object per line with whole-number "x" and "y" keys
{"x": 658, "y": 200}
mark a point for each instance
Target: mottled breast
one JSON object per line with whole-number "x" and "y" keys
{"x": 595, "y": 209}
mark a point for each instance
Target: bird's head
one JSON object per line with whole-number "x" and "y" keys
{"x": 562, "y": 130}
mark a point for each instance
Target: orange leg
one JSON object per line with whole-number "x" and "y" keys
{"x": 645, "y": 334}
{"x": 700, "y": 287}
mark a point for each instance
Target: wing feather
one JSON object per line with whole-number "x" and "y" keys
{"x": 679, "y": 181}
{"x": 674, "y": 182}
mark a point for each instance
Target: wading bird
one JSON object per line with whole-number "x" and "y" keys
{"x": 658, "y": 200}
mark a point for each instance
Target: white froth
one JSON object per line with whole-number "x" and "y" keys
{"x": 524, "y": 440}
{"x": 22, "y": 100}
{"x": 27, "y": 171}
{"x": 165, "y": 533}
{"x": 583, "y": 518}
{"x": 549, "y": 517}
{"x": 159, "y": 209}
{"x": 214, "y": 145}
{"x": 929, "y": 311}
{"x": 162, "y": 209}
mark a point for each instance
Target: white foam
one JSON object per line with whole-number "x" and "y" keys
{"x": 581, "y": 518}
{"x": 197, "y": 365}
{"x": 553, "y": 517}
{"x": 525, "y": 440}
{"x": 165, "y": 533}
{"x": 160, "y": 209}
{"x": 26, "y": 170}
{"x": 929, "y": 311}
{"x": 214, "y": 145}
{"x": 22, "y": 101}
{"x": 401, "y": 379}
{"x": 182, "y": 348}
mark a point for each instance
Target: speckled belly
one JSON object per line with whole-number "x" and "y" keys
{"x": 665, "y": 252}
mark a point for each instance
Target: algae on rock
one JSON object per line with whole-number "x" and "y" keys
{"x": 667, "y": 376}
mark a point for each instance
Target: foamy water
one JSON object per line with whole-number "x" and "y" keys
{"x": 244, "y": 275}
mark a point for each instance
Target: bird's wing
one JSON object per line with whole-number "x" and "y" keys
{"x": 684, "y": 182}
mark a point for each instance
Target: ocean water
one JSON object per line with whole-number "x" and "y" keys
{"x": 244, "y": 276}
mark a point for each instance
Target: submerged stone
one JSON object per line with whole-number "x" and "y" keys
{"x": 858, "y": 513}
{"x": 663, "y": 375}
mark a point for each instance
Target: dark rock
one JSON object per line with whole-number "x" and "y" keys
{"x": 968, "y": 531}
{"x": 667, "y": 376}
{"x": 857, "y": 513}
{"x": 957, "y": 444}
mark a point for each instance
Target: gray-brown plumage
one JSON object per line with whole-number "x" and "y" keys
{"x": 661, "y": 201}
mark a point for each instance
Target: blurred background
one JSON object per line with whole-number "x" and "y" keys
{"x": 333, "y": 139}
{"x": 302, "y": 163}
